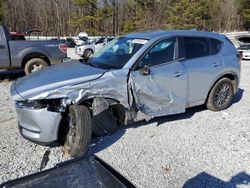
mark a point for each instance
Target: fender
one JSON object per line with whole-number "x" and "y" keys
{"x": 25, "y": 52}
{"x": 228, "y": 74}
{"x": 19, "y": 57}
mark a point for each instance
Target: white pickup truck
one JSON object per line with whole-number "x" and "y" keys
{"x": 90, "y": 47}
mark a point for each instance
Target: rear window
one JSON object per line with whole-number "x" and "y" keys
{"x": 216, "y": 46}
{"x": 196, "y": 47}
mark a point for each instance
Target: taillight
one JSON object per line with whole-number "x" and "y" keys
{"x": 239, "y": 55}
{"x": 63, "y": 48}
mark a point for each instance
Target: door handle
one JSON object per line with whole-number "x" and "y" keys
{"x": 2, "y": 46}
{"x": 178, "y": 74}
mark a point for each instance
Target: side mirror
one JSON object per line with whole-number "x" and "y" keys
{"x": 145, "y": 71}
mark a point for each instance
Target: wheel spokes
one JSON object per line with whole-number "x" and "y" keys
{"x": 222, "y": 95}
{"x": 36, "y": 67}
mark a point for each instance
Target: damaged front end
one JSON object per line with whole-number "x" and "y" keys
{"x": 42, "y": 113}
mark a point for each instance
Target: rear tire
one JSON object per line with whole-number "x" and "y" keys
{"x": 34, "y": 65}
{"x": 80, "y": 131}
{"x": 221, "y": 96}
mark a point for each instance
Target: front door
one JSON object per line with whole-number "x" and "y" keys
{"x": 159, "y": 81}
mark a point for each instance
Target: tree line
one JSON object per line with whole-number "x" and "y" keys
{"x": 116, "y": 17}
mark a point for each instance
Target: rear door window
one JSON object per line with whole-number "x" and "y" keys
{"x": 196, "y": 47}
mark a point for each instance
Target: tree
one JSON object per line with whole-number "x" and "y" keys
{"x": 245, "y": 12}
{"x": 224, "y": 15}
{"x": 1, "y": 11}
{"x": 107, "y": 17}
{"x": 87, "y": 16}
{"x": 187, "y": 14}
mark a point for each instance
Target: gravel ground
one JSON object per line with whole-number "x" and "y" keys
{"x": 199, "y": 148}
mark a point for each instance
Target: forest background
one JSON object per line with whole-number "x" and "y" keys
{"x": 117, "y": 17}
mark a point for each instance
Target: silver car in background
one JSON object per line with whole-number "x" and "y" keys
{"x": 134, "y": 77}
{"x": 245, "y": 51}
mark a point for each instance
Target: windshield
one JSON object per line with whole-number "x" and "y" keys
{"x": 116, "y": 53}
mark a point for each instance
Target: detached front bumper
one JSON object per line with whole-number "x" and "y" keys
{"x": 38, "y": 125}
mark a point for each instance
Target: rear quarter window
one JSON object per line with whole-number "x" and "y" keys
{"x": 215, "y": 46}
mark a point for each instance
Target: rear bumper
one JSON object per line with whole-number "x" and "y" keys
{"x": 57, "y": 59}
{"x": 64, "y": 60}
{"x": 38, "y": 125}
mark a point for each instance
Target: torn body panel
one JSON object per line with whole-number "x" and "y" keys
{"x": 160, "y": 93}
{"x": 112, "y": 85}
{"x": 47, "y": 81}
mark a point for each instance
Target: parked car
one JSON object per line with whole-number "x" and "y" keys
{"x": 245, "y": 51}
{"x": 70, "y": 42}
{"x": 82, "y": 38}
{"x": 243, "y": 39}
{"x": 134, "y": 77}
{"x": 29, "y": 55}
{"x": 90, "y": 47}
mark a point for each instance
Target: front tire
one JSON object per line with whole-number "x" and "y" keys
{"x": 34, "y": 65}
{"x": 80, "y": 131}
{"x": 87, "y": 53}
{"x": 221, "y": 96}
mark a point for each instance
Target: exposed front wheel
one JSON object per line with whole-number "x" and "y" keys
{"x": 80, "y": 131}
{"x": 34, "y": 65}
{"x": 221, "y": 96}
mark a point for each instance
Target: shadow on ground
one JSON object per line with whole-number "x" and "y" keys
{"x": 11, "y": 75}
{"x": 238, "y": 96}
{"x": 206, "y": 180}
{"x": 101, "y": 143}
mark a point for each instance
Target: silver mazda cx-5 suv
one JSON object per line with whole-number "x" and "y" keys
{"x": 134, "y": 77}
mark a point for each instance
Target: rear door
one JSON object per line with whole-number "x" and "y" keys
{"x": 203, "y": 65}
{"x": 4, "y": 49}
{"x": 159, "y": 81}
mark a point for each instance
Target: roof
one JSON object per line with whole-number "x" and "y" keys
{"x": 161, "y": 33}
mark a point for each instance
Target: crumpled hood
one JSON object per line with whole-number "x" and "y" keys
{"x": 54, "y": 77}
